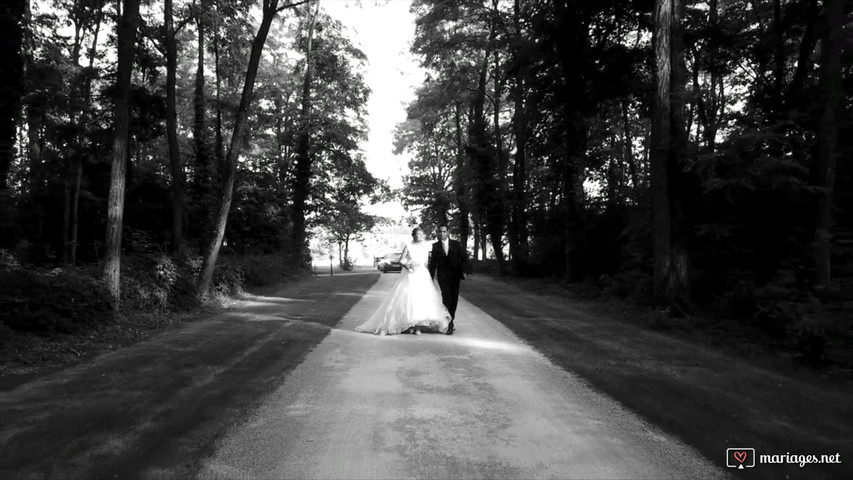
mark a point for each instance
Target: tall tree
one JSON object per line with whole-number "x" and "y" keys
{"x": 126, "y": 38}
{"x": 484, "y": 155}
{"x": 204, "y": 169}
{"x": 574, "y": 55}
{"x": 96, "y": 15}
{"x": 11, "y": 56}
{"x": 175, "y": 161}
{"x": 823, "y": 167}
{"x": 302, "y": 180}
{"x": 517, "y": 228}
{"x": 670, "y": 253}
{"x": 270, "y": 9}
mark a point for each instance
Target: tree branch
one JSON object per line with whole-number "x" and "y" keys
{"x": 291, "y": 5}
{"x": 183, "y": 23}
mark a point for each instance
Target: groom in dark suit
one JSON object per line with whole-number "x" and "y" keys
{"x": 449, "y": 261}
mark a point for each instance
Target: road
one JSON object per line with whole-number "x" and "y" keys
{"x": 478, "y": 404}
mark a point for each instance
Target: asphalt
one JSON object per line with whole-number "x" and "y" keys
{"x": 478, "y": 404}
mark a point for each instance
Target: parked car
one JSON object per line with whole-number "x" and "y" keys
{"x": 390, "y": 262}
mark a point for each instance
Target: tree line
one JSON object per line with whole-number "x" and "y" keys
{"x": 178, "y": 126}
{"x": 676, "y": 149}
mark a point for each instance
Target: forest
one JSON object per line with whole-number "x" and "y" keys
{"x": 677, "y": 153}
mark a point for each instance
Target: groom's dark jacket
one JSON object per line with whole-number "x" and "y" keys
{"x": 455, "y": 261}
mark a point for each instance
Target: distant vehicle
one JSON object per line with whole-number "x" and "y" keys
{"x": 390, "y": 262}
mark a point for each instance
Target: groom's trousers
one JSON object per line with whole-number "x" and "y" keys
{"x": 449, "y": 293}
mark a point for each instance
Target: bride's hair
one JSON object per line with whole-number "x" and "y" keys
{"x": 416, "y": 230}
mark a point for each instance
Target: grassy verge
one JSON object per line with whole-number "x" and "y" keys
{"x": 712, "y": 398}
{"x": 24, "y": 356}
{"x": 54, "y": 318}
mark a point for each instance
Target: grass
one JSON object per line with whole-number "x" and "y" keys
{"x": 714, "y": 329}
{"x": 26, "y": 355}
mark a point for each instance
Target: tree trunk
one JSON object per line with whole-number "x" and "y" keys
{"x": 126, "y": 37}
{"x": 487, "y": 191}
{"x": 12, "y": 15}
{"x": 87, "y": 115}
{"x": 614, "y": 175}
{"x": 807, "y": 46}
{"x": 460, "y": 180}
{"x": 670, "y": 255}
{"x": 175, "y": 161}
{"x": 572, "y": 45}
{"x": 219, "y": 141}
{"x": 710, "y": 110}
{"x": 227, "y": 191}
{"x": 778, "y": 54}
{"x": 66, "y": 210}
{"x": 75, "y": 209}
{"x": 572, "y": 205}
{"x": 629, "y": 146}
{"x": 204, "y": 179}
{"x": 496, "y": 205}
{"x": 519, "y": 247}
{"x": 302, "y": 180}
{"x": 484, "y": 244}
{"x": 477, "y": 240}
{"x": 345, "y": 259}
{"x": 823, "y": 168}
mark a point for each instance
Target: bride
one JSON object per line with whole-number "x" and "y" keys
{"x": 414, "y": 304}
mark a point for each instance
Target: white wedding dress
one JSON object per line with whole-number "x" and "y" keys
{"x": 415, "y": 300}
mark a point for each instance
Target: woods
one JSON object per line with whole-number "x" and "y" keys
{"x": 677, "y": 153}
{"x": 622, "y": 136}
{"x": 687, "y": 154}
{"x": 166, "y": 133}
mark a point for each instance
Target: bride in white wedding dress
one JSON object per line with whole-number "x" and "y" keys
{"x": 414, "y": 303}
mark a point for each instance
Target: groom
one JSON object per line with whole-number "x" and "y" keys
{"x": 448, "y": 260}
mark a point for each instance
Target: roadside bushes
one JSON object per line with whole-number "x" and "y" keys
{"x": 62, "y": 300}
{"x": 71, "y": 299}
{"x": 263, "y": 270}
{"x": 156, "y": 283}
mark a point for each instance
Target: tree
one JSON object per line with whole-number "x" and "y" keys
{"x": 670, "y": 254}
{"x": 823, "y": 168}
{"x": 302, "y": 179}
{"x": 347, "y": 223}
{"x": 175, "y": 161}
{"x": 429, "y": 184}
{"x": 11, "y": 24}
{"x": 126, "y": 37}
{"x": 270, "y": 9}
{"x": 517, "y": 233}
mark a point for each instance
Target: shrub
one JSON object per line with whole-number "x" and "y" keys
{"x": 59, "y": 300}
{"x": 635, "y": 284}
{"x": 809, "y": 335}
{"x": 263, "y": 270}
{"x": 147, "y": 282}
{"x": 228, "y": 278}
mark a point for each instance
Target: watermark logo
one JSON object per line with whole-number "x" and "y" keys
{"x": 740, "y": 458}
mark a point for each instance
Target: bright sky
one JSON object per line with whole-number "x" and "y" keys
{"x": 384, "y": 29}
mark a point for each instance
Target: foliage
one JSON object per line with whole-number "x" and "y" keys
{"x": 264, "y": 270}
{"x": 530, "y": 133}
{"x": 69, "y": 300}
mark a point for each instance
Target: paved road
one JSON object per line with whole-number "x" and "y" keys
{"x": 478, "y": 404}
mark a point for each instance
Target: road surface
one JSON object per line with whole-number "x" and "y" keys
{"x": 477, "y": 404}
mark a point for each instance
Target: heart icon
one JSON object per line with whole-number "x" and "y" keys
{"x": 740, "y": 456}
